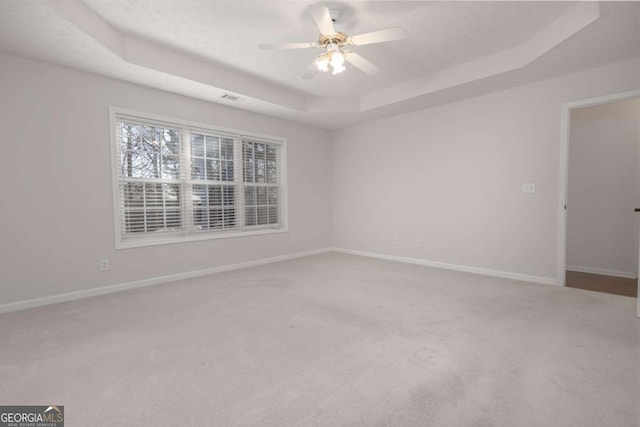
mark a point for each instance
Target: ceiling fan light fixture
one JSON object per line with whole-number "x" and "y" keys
{"x": 337, "y": 69}
{"x": 322, "y": 62}
{"x": 337, "y": 59}
{"x": 332, "y": 60}
{"x": 337, "y": 62}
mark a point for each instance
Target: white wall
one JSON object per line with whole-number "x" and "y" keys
{"x": 56, "y": 211}
{"x": 452, "y": 177}
{"x": 602, "y": 227}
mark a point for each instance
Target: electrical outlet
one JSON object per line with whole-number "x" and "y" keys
{"x": 104, "y": 264}
{"x": 418, "y": 243}
{"x": 292, "y": 239}
{"x": 396, "y": 241}
{"x": 528, "y": 188}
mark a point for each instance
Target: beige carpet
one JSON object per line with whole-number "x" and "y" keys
{"x": 330, "y": 340}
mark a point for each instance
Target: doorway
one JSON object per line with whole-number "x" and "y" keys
{"x": 601, "y": 164}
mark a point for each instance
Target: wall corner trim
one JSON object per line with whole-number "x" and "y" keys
{"x": 455, "y": 267}
{"x": 110, "y": 289}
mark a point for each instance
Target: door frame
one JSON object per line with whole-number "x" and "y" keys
{"x": 565, "y": 124}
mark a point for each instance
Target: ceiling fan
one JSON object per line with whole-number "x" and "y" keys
{"x": 334, "y": 43}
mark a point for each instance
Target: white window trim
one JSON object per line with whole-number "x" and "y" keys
{"x": 169, "y": 238}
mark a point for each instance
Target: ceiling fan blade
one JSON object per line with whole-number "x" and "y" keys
{"x": 395, "y": 33}
{"x": 278, "y": 46}
{"x": 359, "y": 62}
{"x": 311, "y": 71}
{"x": 323, "y": 19}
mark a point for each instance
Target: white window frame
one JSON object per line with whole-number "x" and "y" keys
{"x": 189, "y": 235}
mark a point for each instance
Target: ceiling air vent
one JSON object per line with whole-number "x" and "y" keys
{"x": 231, "y": 97}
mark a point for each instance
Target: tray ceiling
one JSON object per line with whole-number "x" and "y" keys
{"x": 204, "y": 49}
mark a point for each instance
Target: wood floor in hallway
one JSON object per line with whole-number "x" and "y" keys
{"x": 600, "y": 283}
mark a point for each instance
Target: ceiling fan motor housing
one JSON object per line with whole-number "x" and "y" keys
{"x": 338, "y": 38}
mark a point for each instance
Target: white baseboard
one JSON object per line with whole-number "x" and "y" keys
{"x": 104, "y": 290}
{"x": 455, "y": 267}
{"x": 602, "y": 271}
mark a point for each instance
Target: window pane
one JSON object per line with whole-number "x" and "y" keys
{"x": 197, "y": 169}
{"x": 262, "y": 195}
{"x": 200, "y": 219}
{"x": 215, "y": 196}
{"x": 134, "y": 221}
{"x": 229, "y": 218}
{"x": 249, "y": 196}
{"x": 140, "y": 157}
{"x": 247, "y": 161}
{"x": 273, "y": 215}
{"x": 170, "y": 154}
{"x": 213, "y": 147}
{"x": 133, "y": 195}
{"x": 172, "y": 195}
{"x": 197, "y": 145}
{"x": 226, "y": 147}
{"x": 155, "y": 220}
{"x": 273, "y": 196}
{"x": 129, "y": 145}
{"x": 173, "y": 220}
{"x": 272, "y": 172}
{"x": 227, "y": 170}
{"x": 250, "y": 216}
{"x": 229, "y": 195}
{"x": 199, "y": 195}
{"x": 148, "y": 151}
{"x": 150, "y": 145}
{"x": 262, "y": 215}
{"x": 213, "y": 170}
{"x": 215, "y": 218}
{"x": 260, "y": 170}
{"x": 151, "y": 207}
{"x": 170, "y": 167}
{"x": 212, "y": 158}
{"x": 153, "y": 195}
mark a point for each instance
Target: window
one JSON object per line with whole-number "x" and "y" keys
{"x": 176, "y": 181}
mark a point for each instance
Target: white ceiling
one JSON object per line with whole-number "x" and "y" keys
{"x": 205, "y": 48}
